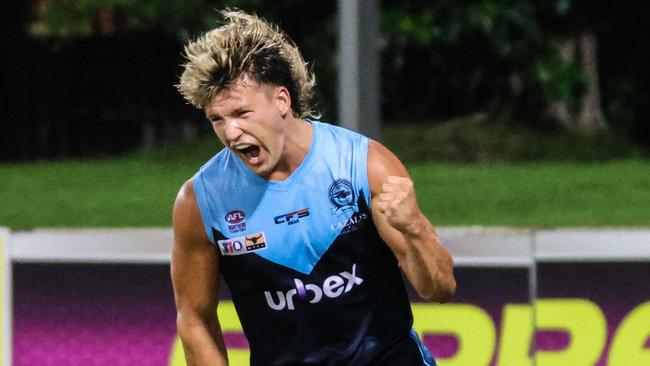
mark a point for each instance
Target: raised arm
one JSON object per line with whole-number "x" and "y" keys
{"x": 195, "y": 276}
{"x": 408, "y": 233}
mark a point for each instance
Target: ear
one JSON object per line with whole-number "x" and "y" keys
{"x": 283, "y": 100}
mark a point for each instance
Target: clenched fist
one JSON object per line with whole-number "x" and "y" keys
{"x": 397, "y": 201}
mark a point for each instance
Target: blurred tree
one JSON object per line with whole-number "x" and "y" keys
{"x": 573, "y": 33}
{"x": 624, "y": 56}
{"x": 183, "y": 19}
{"x": 514, "y": 59}
{"x": 84, "y": 18}
{"x": 611, "y": 41}
{"x": 97, "y": 76}
{"x": 580, "y": 64}
{"x": 478, "y": 56}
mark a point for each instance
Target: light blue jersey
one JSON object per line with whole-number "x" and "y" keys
{"x": 312, "y": 281}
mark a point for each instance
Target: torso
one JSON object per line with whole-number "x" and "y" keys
{"x": 312, "y": 281}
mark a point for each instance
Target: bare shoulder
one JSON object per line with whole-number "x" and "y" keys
{"x": 194, "y": 265}
{"x": 186, "y": 221}
{"x": 185, "y": 205}
{"x": 382, "y": 163}
{"x": 185, "y": 194}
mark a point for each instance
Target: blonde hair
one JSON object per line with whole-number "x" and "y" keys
{"x": 246, "y": 44}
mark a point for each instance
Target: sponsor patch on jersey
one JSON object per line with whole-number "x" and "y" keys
{"x": 291, "y": 217}
{"x": 349, "y": 225}
{"x": 236, "y": 221}
{"x": 243, "y": 244}
{"x": 332, "y": 287}
{"x": 342, "y": 197}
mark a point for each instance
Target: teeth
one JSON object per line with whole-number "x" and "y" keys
{"x": 242, "y": 146}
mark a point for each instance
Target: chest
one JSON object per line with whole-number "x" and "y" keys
{"x": 292, "y": 227}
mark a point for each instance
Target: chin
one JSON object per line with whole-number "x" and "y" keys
{"x": 261, "y": 170}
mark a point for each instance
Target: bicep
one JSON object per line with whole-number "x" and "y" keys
{"x": 195, "y": 263}
{"x": 382, "y": 163}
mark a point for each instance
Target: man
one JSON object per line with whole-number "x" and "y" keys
{"x": 308, "y": 223}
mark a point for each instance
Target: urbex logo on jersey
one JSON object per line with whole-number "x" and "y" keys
{"x": 292, "y": 217}
{"x": 333, "y": 287}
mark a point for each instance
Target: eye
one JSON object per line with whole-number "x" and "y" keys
{"x": 216, "y": 121}
{"x": 217, "y": 125}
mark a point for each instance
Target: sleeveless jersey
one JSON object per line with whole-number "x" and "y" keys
{"x": 310, "y": 278}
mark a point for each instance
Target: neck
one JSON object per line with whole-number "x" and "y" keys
{"x": 298, "y": 141}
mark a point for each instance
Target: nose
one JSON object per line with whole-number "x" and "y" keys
{"x": 232, "y": 130}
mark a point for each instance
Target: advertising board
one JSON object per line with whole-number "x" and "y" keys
{"x": 5, "y": 298}
{"x": 523, "y": 298}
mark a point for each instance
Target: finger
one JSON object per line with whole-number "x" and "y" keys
{"x": 388, "y": 196}
{"x": 403, "y": 183}
{"x": 392, "y": 187}
{"x": 396, "y": 180}
{"x": 394, "y": 196}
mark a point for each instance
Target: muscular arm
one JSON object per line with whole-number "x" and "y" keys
{"x": 195, "y": 276}
{"x": 408, "y": 233}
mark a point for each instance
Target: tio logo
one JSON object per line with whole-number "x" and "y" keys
{"x": 333, "y": 287}
{"x": 232, "y": 246}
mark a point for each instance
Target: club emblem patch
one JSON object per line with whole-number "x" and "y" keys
{"x": 342, "y": 197}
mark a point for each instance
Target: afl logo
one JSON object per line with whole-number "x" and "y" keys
{"x": 341, "y": 195}
{"x": 235, "y": 216}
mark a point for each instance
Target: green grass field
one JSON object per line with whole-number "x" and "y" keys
{"x": 536, "y": 195}
{"x": 139, "y": 190}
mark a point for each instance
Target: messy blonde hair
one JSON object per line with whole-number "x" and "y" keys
{"x": 246, "y": 44}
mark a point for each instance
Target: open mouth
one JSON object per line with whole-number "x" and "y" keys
{"x": 251, "y": 152}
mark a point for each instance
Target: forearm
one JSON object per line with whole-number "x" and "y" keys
{"x": 426, "y": 263}
{"x": 401, "y": 224}
{"x": 203, "y": 344}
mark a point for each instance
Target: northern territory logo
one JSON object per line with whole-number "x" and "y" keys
{"x": 291, "y": 217}
{"x": 235, "y": 220}
{"x": 342, "y": 197}
{"x": 242, "y": 245}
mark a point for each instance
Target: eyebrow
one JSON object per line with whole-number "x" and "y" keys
{"x": 213, "y": 117}
{"x": 235, "y": 112}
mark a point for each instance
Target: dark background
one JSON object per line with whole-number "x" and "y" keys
{"x": 107, "y": 91}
